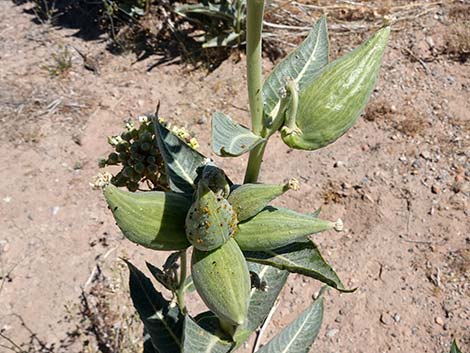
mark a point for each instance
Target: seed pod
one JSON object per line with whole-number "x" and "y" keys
{"x": 276, "y": 227}
{"x": 153, "y": 219}
{"x": 332, "y": 102}
{"x": 210, "y": 221}
{"x": 249, "y": 199}
{"x": 222, "y": 280}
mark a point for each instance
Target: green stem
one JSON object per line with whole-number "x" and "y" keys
{"x": 254, "y": 163}
{"x": 180, "y": 291}
{"x": 254, "y": 27}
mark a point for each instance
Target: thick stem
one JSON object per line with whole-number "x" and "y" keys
{"x": 182, "y": 280}
{"x": 254, "y": 163}
{"x": 254, "y": 27}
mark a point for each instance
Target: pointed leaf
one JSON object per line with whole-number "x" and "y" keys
{"x": 261, "y": 302}
{"x": 181, "y": 161}
{"x": 301, "y": 66}
{"x": 165, "y": 279}
{"x": 153, "y": 219}
{"x": 300, "y": 257}
{"x": 221, "y": 11}
{"x": 230, "y": 138}
{"x": 162, "y": 322}
{"x": 275, "y": 227}
{"x": 223, "y": 40}
{"x": 454, "y": 348}
{"x": 198, "y": 339}
{"x": 300, "y": 334}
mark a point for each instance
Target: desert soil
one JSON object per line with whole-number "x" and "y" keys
{"x": 400, "y": 180}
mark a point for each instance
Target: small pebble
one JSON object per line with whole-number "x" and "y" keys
{"x": 397, "y": 318}
{"x": 332, "y": 333}
{"x": 385, "y": 319}
{"x": 416, "y": 164}
{"x": 438, "y": 320}
{"x": 435, "y": 189}
{"x": 338, "y": 164}
{"x": 426, "y": 155}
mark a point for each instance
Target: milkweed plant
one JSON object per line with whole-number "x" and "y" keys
{"x": 241, "y": 247}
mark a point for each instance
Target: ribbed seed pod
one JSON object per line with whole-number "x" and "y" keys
{"x": 210, "y": 221}
{"x": 248, "y": 200}
{"x": 152, "y": 219}
{"x": 276, "y": 227}
{"x": 332, "y": 102}
{"x": 222, "y": 280}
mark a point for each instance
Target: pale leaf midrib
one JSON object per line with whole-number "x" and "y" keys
{"x": 298, "y": 332}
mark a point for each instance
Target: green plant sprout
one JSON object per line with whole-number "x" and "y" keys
{"x": 242, "y": 248}
{"x": 222, "y": 21}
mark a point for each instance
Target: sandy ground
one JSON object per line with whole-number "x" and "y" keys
{"x": 399, "y": 179}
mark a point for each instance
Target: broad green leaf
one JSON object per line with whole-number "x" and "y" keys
{"x": 454, "y": 348}
{"x": 153, "y": 219}
{"x": 230, "y": 138}
{"x": 300, "y": 257}
{"x": 162, "y": 322}
{"x": 200, "y": 340}
{"x": 330, "y": 105}
{"x": 261, "y": 302}
{"x": 275, "y": 227}
{"x": 248, "y": 200}
{"x": 300, "y": 334}
{"x": 182, "y": 163}
{"x": 301, "y": 66}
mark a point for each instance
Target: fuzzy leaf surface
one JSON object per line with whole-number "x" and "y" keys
{"x": 198, "y": 339}
{"x": 300, "y": 334}
{"x": 182, "y": 163}
{"x": 261, "y": 302}
{"x": 301, "y": 65}
{"x": 300, "y": 257}
{"x": 163, "y": 323}
{"x": 231, "y": 139}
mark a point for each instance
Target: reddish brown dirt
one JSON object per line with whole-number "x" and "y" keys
{"x": 400, "y": 179}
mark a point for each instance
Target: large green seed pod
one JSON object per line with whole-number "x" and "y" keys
{"x": 222, "y": 280}
{"x": 276, "y": 227}
{"x": 249, "y": 199}
{"x": 330, "y": 105}
{"x": 152, "y": 219}
{"x": 210, "y": 221}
